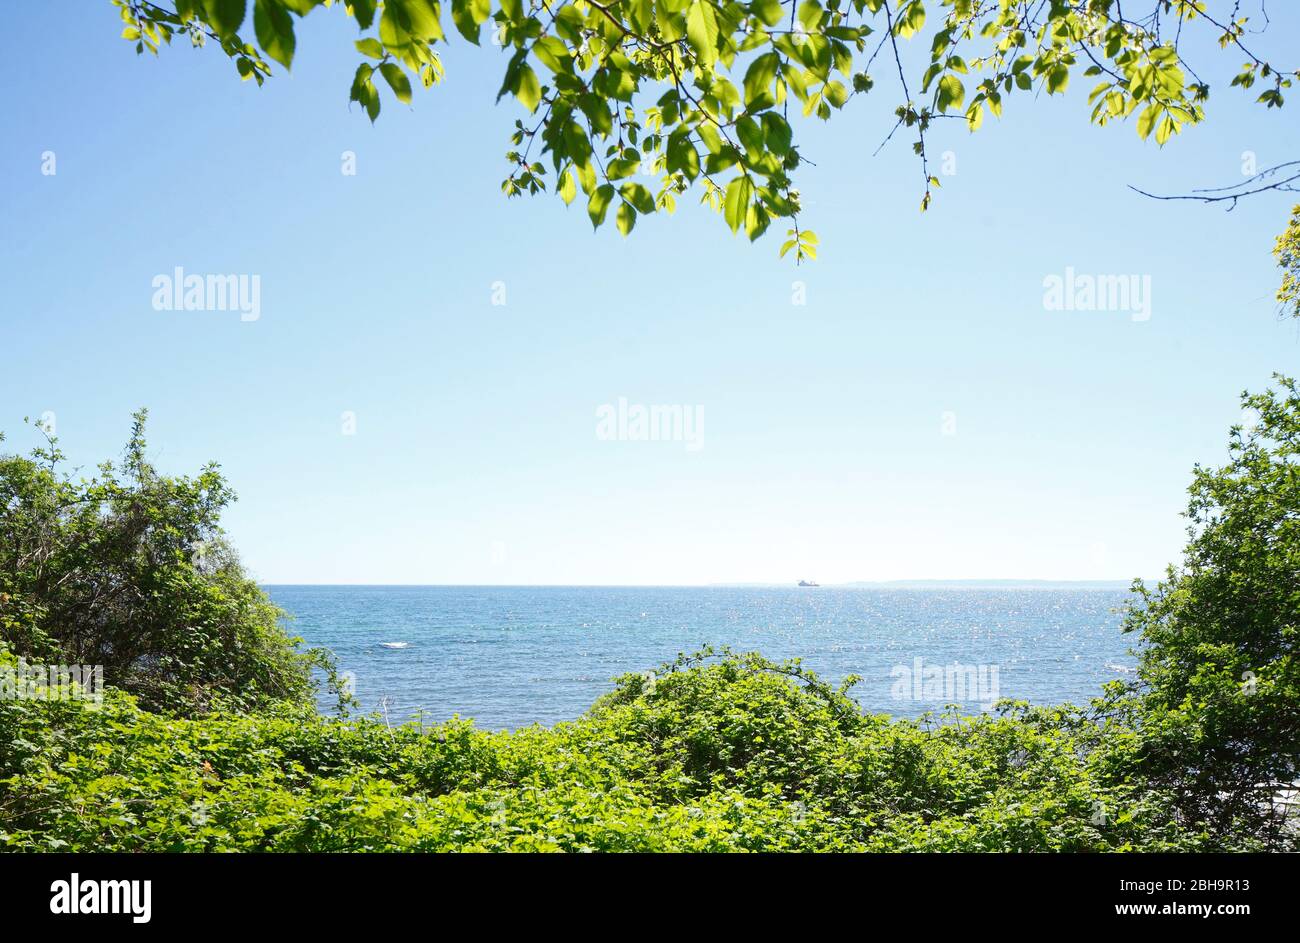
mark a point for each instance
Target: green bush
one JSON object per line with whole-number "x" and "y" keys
{"x": 129, "y": 570}
{"x": 723, "y": 753}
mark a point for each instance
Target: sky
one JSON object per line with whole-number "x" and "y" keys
{"x": 922, "y": 414}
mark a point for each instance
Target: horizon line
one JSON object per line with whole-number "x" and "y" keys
{"x": 851, "y": 584}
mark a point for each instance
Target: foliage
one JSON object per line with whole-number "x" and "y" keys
{"x": 720, "y": 753}
{"x": 129, "y": 570}
{"x": 219, "y": 747}
{"x": 1287, "y": 253}
{"x": 638, "y": 101}
{"x": 1219, "y": 695}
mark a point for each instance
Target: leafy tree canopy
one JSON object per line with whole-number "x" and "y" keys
{"x": 635, "y": 102}
{"x": 1220, "y": 667}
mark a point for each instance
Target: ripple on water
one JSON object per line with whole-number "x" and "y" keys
{"x": 512, "y": 656}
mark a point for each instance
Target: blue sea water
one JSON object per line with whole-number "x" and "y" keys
{"x": 512, "y": 656}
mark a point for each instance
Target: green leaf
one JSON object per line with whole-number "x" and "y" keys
{"x": 364, "y": 91}
{"x": 641, "y": 13}
{"x": 736, "y": 203}
{"x": 1166, "y": 129}
{"x": 553, "y": 53}
{"x": 598, "y": 205}
{"x": 274, "y": 28}
{"x": 625, "y": 218}
{"x": 224, "y": 16}
{"x": 363, "y": 11}
{"x": 468, "y": 15}
{"x": 714, "y": 164}
{"x": 1147, "y": 120}
{"x": 567, "y": 188}
{"x": 639, "y": 196}
{"x": 760, "y": 75}
{"x": 391, "y": 32}
{"x": 359, "y": 81}
{"x": 810, "y": 14}
{"x": 910, "y": 19}
{"x": 777, "y": 132}
{"x": 370, "y": 47}
{"x": 397, "y": 81}
{"x": 419, "y": 18}
{"x": 682, "y": 156}
{"x": 702, "y": 31}
{"x": 769, "y": 11}
{"x": 808, "y": 244}
{"x": 751, "y": 136}
{"x": 710, "y": 136}
{"x": 623, "y": 167}
{"x": 577, "y": 144}
{"x": 530, "y": 89}
{"x": 951, "y": 93}
{"x": 1057, "y": 79}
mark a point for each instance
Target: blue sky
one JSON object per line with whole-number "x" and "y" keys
{"x": 475, "y": 457}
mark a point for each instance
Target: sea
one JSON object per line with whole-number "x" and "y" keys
{"x": 508, "y": 657}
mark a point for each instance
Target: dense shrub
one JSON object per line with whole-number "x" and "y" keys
{"x": 726, "y": 753}
{"x": 129, "y": 570}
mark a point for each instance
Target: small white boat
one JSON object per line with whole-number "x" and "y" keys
{"x": 395, "y": 644}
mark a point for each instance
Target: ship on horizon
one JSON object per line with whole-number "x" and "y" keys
{"x": 808, "y": 583}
